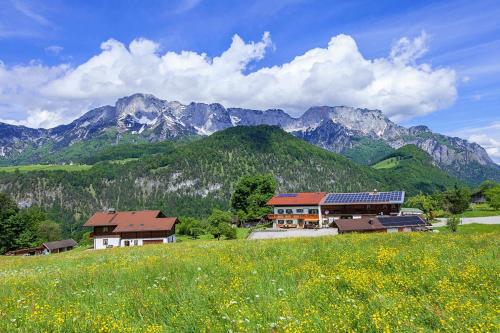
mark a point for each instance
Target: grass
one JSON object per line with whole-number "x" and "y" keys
{"x": 473, "y": 228}
{"x": 241, "y": 233}
{"x": 365, "y": 283}
{"x": 480, "y": 210}
{"x": 45, "y": 167}
{"x": 387, "y": 163}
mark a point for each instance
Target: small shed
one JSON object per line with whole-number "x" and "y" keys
{"x": 60, "y": 246}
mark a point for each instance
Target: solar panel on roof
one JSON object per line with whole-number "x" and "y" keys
{"x": 400, "y": 221}
{"x": 365, "y": 197}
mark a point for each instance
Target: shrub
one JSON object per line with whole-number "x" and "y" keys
{"x": 452, "y": 223}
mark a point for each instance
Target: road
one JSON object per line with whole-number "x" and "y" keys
{"x": 469, "y": 220}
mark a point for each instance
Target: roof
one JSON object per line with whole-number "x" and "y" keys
{"x": 362, "y": 224}
{"x": 293, "y": 199}
{"x": 379, "y": 223}
{"x": 60, "y": 244}
{"x": 145, "y": 220}
{"x": 394, "y": 197}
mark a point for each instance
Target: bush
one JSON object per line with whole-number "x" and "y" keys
{"x": 452, "y": 223}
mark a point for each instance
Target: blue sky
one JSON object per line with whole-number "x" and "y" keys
{"x": 42, "y": 43}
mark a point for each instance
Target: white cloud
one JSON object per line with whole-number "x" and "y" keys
{"x": 337, "y": 74}
{"x": 54, "y": 49}
{"x": 487, "y": 137}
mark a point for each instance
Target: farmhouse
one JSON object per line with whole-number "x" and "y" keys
{"x": 46, "y": 248}
{"x": 321, "y": 209}
{"x": 382, "y": 224}
{"x": 131, "y": 228}
{"x": 296, "y": 210}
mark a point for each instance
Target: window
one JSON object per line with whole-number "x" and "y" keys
{"x": 300, "y": 210}
{"x": 281, "y": 221}
{"x": 289, "y": 211}
{"x": 105, "y": 242}
{"x": 280, "y": 211}
{"x": 136, "y": 242}
{"x": 104, "y": 229}
{"x": 313, "y": 211}
{"x": 127, "y": 243}
{"x": 289, "y": 221}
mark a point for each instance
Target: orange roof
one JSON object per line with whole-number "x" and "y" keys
{"x": 145, "y": 220}
{"x": 294, "y": 199}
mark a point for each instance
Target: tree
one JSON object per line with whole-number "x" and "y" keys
{"x": 8, "y": 207}
{"x": 425, "y": 203}
{"x": 21, "y": 230}
{"x": 251, "y": 194}
{"x": 493, "y": 196}
{"x": 457, "y": 200}
{"x": 220, "y": 224}
{"x": 192, "y": 227}
{"x": 48, "y": 231}
{"x": 452, "y": 223}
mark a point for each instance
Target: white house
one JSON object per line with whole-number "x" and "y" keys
{"x": 131, "y": 228}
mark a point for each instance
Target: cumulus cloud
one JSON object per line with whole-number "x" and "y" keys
{"x": 337, "y": 74}
{"x": 486, "y": 136}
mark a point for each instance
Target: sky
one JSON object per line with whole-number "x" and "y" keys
{"x": 420, "y": 62}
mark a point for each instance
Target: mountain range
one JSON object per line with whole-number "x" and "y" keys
{"x": 364, "y": 135}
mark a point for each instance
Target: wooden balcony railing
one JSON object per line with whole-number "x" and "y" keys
{"x": 292, "y": 216}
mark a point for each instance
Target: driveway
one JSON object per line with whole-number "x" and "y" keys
{"x": 469, "y": 220}
{"x": 281, "y": 233}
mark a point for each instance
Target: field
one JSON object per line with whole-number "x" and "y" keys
{"x": 480, "y": 210}
{"x": 367, "y": 282}
{"x": 45, "y": 167}
{"x": 387, "y": 163}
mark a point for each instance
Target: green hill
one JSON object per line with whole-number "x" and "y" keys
{"x": 412, "y": 169}
{"x": 407, "y": 282}
{"x": 188, "y": 178}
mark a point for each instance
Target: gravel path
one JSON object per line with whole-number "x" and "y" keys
{"x": 281, "y": 233}
{"x": 469, "y": 220}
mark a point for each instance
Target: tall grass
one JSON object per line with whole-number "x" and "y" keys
{"x": 367, "y": 282}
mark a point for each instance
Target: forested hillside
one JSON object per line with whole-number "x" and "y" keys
{"x": 413, "y": 170}
{"x": 187, "y": 178}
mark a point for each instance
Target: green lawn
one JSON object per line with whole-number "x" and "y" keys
{"x": 480, "y": 210}
{"x": 40, "y": 167}
{"x": 387, "y": 164}
{"x": 473, "y": 228}
{"x": 241, "y": 233}
{"x": 406, "y": 282}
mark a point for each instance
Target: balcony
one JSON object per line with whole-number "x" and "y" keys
{"x": 292, "y": 216}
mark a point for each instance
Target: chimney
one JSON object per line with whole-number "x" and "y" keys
{"x": 111, "y": 210}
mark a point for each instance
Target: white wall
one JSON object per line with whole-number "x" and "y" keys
{"x": 305, "y": 210}
{"x": 99, "y": 243}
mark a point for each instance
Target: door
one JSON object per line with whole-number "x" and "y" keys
{"x": 301, "y": 223}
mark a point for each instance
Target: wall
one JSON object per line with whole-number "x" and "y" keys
{"x": 116, "y": 241}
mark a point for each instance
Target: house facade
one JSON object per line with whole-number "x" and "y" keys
{"x": 296, "y": 210}
{"x": 131, "y": 228}
{"x": 320, "y": 209}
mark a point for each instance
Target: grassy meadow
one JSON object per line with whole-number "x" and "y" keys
{"x": 412, "y": 282}
{"x": 45, "y": 167}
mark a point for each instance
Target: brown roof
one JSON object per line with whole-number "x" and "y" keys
{"x": 145, "y": 220}
{"x": 362, "y": 224}
{"x": 293, "y": 199}
{"x": 379, "y": 223}
{"x": 60, "y": 244}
